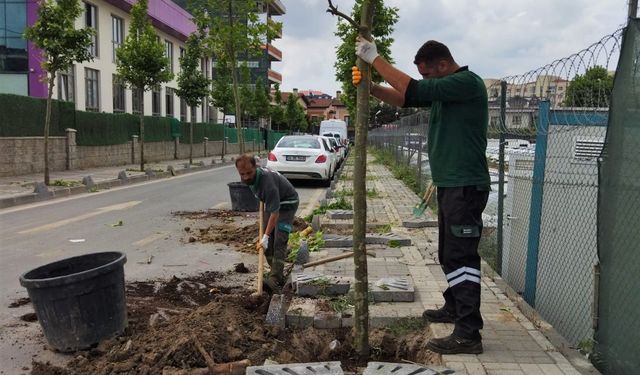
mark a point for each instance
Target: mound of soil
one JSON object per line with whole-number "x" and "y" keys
{"x": 230, "y": 325}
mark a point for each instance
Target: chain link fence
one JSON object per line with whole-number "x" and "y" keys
{"x": 562, "y": 242}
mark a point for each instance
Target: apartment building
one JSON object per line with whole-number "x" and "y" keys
{"x": 94, "y": 85}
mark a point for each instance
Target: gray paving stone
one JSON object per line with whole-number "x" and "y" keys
{"x": 42, "y": 190}
{"x": 300, "y": 314}
{"x": 387, "y": 368}
{"x": 340, "y": 214}
{"x": 88, "y": 182}
{"x": 122, "y": 175}
{"x": 276, "y": 315}
{"x": 310, "y": 368}
{"x": 336, "y": 240}
{"x": 327, "y": 320}
{"x": 421, "y": 222}
{"x": 393, "y": 289}
{"x": 312, "y": 285}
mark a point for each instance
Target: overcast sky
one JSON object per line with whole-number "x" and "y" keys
{"x": 496, "y": 38}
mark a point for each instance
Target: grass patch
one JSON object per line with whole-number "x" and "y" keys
{"x": 340, "y": 204}
{"x": 404, "y": 326}
{"x": 65, "y": 183}
{"x": 314, "y": 243}
{"x": 380, "y": 229}
{"x": 393, "y": 244}
{"x": 488, "y": 248}
{"x": 371, "y": 193}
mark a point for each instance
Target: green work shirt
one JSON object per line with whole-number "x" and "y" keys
{"x": 457, "y": 140}
{"x": 274, "y": 190}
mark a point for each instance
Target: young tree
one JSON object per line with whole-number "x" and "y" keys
{"x": 141, "y": 61}
{"x": 221, "y": 93}
{"x": 246, "y": 93}
{"x": 276, "y": 112}
{"x": 261, "y": 100}
{"x": 193, "y": 85}
{"x": 361, "y": 321}
{"x": 62, "y": 45}
{"x": 593, "y": 89}
{"x": 235, "y": 32}
{"x": 383, "y": 21}
{"x": 292, "y": 112}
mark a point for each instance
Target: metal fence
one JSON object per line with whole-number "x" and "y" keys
{"x": 548, "y": 138}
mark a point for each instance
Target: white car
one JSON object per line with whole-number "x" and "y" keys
{"x": 306, "y": 157}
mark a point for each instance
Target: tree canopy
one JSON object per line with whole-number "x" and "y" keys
{"x": 591, "y": 89}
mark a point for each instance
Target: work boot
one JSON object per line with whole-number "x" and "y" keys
{"x": 441, "y": 315}
{"x": 455, "y": 345}
{"x": 273, "y": 284}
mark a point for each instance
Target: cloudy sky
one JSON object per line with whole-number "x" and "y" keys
{"x": 496, "y": 38}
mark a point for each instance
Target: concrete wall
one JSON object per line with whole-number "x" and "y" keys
{"x": 25, "y": 155}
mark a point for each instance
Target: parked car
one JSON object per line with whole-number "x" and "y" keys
{"x": 303, "y": 157}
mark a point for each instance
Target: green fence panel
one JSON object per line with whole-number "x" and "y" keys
{"x": 23, "y": 116}
{"x": 273, "y": 138}
{"x": 200, "y": 130}
{"x": 231, "y": 134}
{"x": 98, "y": 129}
{"x": 157, "y": 129}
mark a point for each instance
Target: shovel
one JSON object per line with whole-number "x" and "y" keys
{"x": 418, "y": 210}
{"x": 260, "y": 251}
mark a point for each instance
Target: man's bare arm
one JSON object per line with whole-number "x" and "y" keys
{"x": 388, "y": 95}
{"x": 396, "y": 78}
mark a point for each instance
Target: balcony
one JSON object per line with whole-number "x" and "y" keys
{"x": 276, "y": 8}
{"x": 274, "y": 53}
{"x": 274, "y": 77}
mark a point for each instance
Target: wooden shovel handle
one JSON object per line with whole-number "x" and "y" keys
{"x": 261, "y": 250}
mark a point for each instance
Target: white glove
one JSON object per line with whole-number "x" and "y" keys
{"x": 264, "y": 242}
{"x": 366, "y": 50}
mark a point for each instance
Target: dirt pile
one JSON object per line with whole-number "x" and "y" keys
{"x": 229, "y": 324}
{"x": 238, "y": 230}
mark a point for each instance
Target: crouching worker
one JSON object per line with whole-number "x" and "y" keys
{"x": 280, "y": 200}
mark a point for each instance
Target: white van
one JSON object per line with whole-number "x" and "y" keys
{"x": 335, "y": 127}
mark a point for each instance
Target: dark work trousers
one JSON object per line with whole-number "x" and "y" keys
{"x": 460, "y": 226}
{"x": 276, "y": 252}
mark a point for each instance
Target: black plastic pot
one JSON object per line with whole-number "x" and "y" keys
{"x": 80, "y": 300}
{"x": 242, "y": 198}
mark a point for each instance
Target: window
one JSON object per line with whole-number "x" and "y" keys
{"x": 183, "y": 110}
{"x": 516, "y": 120}
{"x": 117, "y": 34}
{"x": 118, "y": 95}
{"x": 136, "y": 105}
{"x": 92, "y": 89}
{"x": 155, "y": 102}
{"x": 168, "y": 95}
{"x": 181, "y": 52}
{"x": 13, "y": 47}
{"x": 66, "y": 86}
{"x": 168, "y": 52}
{"x": 91, "y": 20}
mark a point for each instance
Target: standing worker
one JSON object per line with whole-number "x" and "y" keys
{"x": 456, "y": 146}
{"x": 281, "y": 203}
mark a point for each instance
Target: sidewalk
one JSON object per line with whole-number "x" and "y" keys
{"x": 513, "y": 344}
{"x": 24, "y": 189}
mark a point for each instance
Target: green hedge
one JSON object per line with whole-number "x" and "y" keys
{"x": 23, "y": 116}
{"x": 99, "y": 129}
{"x": 200, "y": 130}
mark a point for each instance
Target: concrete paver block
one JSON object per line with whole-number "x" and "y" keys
{"x": 421, "y": 222}
{"x": 88, "y": 182}
{"x": 41, "y": 189}
{"x": 122, "y": 175}
{"x": 327, "y": 320}
{"x": 335, "y": 240}
{"x": 300, "y": 313}
{"x": 311, "y": 368}
{"x": 393, "y": 289}
{"x": 340, "y": 214}
{"x": 276, "y": 315}
{"x": 314, "y": 284}
{"x": 388, "y": 368}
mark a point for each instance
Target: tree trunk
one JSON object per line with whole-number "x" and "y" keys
{"x": 141, "y": 94}
{"x": 361, "y": 324}
{"x": 191, "y": 141}
{"x": 47, "y": 123}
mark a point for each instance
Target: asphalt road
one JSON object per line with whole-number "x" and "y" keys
{"x": 41, "y": 233}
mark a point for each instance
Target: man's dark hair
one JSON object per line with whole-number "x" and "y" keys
{"x": 432, "y": 52}
{"x": 246, "y": 158}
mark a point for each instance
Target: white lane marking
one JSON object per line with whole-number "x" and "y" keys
{"x": 151, "y": 238}
{"x": 99, "y": 211}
